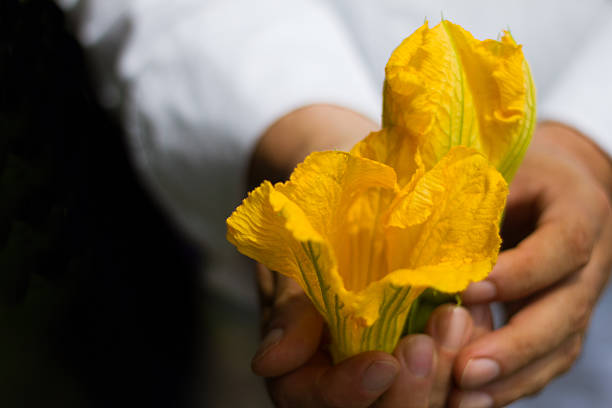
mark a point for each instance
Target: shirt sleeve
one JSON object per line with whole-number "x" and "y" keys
{"x": 583, "y": 93}
{"x": 196, "y": 82}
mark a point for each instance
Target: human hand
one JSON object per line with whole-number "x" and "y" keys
{"x": 558, "y": 212}
{"x": 300, "y": 373}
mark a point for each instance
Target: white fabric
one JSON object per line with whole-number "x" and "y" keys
{"x": 582, "y": 97}
{"x": 197, "y": 81}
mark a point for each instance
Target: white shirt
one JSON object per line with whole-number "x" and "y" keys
{"x": 197, "y": 81}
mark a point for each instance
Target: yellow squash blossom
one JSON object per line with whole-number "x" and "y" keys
{"x": 365, "y": 233}
{"x": 445, "y": 88}
{"x": 363, "y": 247}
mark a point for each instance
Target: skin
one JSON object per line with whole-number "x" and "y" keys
{"x": 558, "y": 213}
{"x": 557, "y": 232}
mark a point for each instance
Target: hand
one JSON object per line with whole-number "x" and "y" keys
{"x": 300, "y": 374}
{"x": 559, "y": 213}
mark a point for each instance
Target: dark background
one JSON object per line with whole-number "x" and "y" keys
{"x": 98, "y": 290}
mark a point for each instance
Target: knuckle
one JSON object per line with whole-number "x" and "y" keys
{"x": 537, "y": 388}
{"x": 583, "y": 234}
{"x": 581, "y": 314}
{"x": 527, "y": 265}
{"x": 526, "y": 347}
{"x": 580, "y": 244}
{"x": 570, "y": 354}
{"x": 538, "y": 382}
{"x": 574, "y": 350}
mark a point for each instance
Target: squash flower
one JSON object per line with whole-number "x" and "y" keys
{"x": 365, "y": 233}
{"x": 445, "y": 88}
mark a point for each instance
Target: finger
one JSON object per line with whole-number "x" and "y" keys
{"x": 516, "y": 360}
{"x": 568, "y": 227}
{"x": 530, "y": 334}
{"x": 293, "y": 333}
{"x": 266, "y": 285}
{"x": 356, "y": 382}
{"x": 548, "y": 255}
{"x": 411, "y": 389}
{"x": 451, "y": 328}
{"x": 527, "y": 381}
{"x": 482, "y": 319}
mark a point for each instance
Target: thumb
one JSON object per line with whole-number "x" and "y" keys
{"x": 293, "y": 333}
{"x": 451, "y": 328}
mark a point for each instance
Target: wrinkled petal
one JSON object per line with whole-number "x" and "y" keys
{"x": 463, "y": 197}
{"x": 301, "y": 241}
{"x": 393, "y": 146}
{"x": 343, "y": 196}
{"x": 325, "y": 184}
{"x": 447, "y": 89}
{"x": 271, "y": 229}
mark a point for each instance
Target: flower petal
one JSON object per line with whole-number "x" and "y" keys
{"x": 299, "y": 240}
{"x": 335, "y": 191}
{"x": 343, "y": 196}
{"x": 499, "y": 77}
{"x": 459, "y": 240}
{"x": 442, "y": 232}
{"x": 326, "y": 183}
{"x": 393, "y": 146}
{"x": 447, "y": 89}
{"x": 274, "y": 231}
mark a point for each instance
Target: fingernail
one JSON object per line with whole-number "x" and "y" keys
{"x": 273, "y": 337}
{"x": 475, "y": 400}
{"x": 418, "y": 356}
{"x": 483, "y": 291}
{"x": 479, "y": 371}
{"x": 379, "y": 376}
{"x": 450, "y": 328}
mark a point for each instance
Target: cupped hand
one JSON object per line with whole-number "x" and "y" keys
{"x": 558, "y": 215}
{"x": 300, "y": 373}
